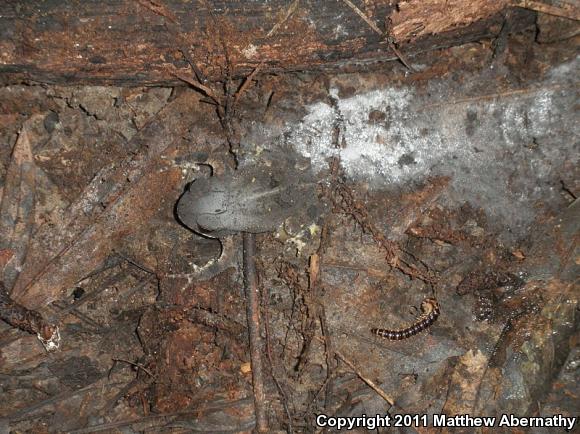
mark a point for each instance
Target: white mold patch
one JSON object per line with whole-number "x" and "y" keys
{"x": 502, "y": 149}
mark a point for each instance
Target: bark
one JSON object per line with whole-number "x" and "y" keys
{"x": 148, "y": 42}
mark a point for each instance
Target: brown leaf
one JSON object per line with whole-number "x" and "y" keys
{"x": 17, "y": 207}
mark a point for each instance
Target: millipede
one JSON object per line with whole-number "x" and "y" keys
{"x": 430, "y": 312}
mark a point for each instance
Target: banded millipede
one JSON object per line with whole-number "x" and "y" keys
{"x": 430, "y": 312}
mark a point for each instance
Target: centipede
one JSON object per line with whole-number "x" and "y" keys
{"x": 429, "y": 313}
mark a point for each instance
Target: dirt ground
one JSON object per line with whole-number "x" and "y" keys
{"x": 457, "y": 182}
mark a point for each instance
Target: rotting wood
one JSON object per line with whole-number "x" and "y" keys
{"x": 117, "y": 202}
{"x": 416, "y": 19}
{"x": 565, "y": 9}
{"x": 147, "y": 42}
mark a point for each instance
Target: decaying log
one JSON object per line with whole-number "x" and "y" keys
{"x": 148, "y": 42}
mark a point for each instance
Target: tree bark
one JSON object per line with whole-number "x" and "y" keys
{"x": 149, "y": 42}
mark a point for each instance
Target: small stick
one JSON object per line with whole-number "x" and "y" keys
{"x": 390, "y": 40}
{"x": 28, "y": 320}
{"x": 253, "y": 315}
{"x": 211, "y": 319}
{"x": 56, "y": 306}
{"x": 247, "y": 82}
{"x": 363, "y": 16}
{"x": 368, "y": 381}
{"x": 158, "y": 8}
{"x": 392, "y": 45}
{"x": 198, "y": 86}
{"x": 285, "y": 17}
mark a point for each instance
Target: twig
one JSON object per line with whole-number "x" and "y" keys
{"x": 253, "y": 316}
{"x": 158, "y": 8}
{"x": 369, "y": 382}
{"x": 313, "y": 270}
{"x": 198, "y": 86}
{"x": 388, "y": 38}
{"x": 58, "y": 305}
{"x": 211, "y": 319}
{"x": 246, "y": 83}
{"x": 393, "y": 46}
{"x": 344, "y": 198}
{"x": 366, "y": 19}
{"x": 28, "y": 320}
{"x": 287, "y": 15}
